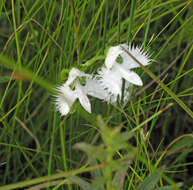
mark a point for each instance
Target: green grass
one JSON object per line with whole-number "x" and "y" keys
{"x": 148, "y": 142}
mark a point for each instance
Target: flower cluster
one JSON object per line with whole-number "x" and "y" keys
{"x": 107, "y": 83}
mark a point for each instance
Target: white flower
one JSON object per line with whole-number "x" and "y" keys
{"x": 118, "y": 66}
{"x": 67, "y": 96}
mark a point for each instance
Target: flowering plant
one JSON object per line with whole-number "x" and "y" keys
{"x": 107, "y": 83}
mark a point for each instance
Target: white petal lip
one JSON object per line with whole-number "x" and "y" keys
{"x": 138, "y": 53}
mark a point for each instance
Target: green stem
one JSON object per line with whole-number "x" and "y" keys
{"x": 49, "y": 178}
{"x": 108, "y": 173}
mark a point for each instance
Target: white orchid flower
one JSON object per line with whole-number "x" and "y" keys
{"x": 116, "y": 70}
{"x": 126, "y": 63}
{"x": 67, "y": 96}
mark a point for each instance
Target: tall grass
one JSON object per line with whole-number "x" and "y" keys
{"x": 144, "y": 144}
